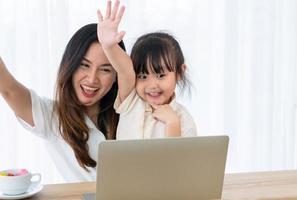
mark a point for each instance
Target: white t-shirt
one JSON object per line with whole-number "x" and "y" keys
{"x": 136, "y": 120}
{"x": 46, "y": 127}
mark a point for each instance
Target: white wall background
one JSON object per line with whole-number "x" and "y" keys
{"x": 241, "y": 56}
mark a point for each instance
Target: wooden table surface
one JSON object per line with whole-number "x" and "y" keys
{"x": 261, "y": 185}
{"x": 257, "y": 185}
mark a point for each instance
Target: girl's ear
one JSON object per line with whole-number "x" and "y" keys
{"x": 184, "y": 67}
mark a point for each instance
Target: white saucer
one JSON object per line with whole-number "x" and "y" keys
{"x": 29, "y": 193}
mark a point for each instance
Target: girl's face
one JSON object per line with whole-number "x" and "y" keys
{"x": 94, "y": 77}
{"x": 156, "y": 88}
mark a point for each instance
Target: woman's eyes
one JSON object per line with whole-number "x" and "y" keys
{"x": 102, "y": 69}
{"x": 105, "y": 69}
{"x": 84, "y": 65}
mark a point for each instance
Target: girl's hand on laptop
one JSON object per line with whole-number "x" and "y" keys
{"x": 107, "y": 29}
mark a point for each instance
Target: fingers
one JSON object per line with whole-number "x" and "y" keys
{"x": 99, "y": 15}
{"x": 108, "y": 9}
{"x": 115, "y": 10}
{"x": 113, "y": 13}
{"x": 120, "y": 15}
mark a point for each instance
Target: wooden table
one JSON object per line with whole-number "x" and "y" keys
{"x": 261, "y": 185}
{"x": 258, "y": 185}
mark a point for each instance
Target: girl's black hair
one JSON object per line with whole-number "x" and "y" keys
{"x": 158, "y": 51}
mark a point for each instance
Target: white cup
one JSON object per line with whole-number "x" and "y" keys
{"x": 15, "y": 185}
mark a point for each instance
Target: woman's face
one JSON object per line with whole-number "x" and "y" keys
{"x": 94, "y": 77}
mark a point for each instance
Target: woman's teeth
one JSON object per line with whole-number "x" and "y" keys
{"x": 89, "y": 89}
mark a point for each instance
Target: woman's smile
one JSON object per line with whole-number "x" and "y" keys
{"x": 88, "y": 91}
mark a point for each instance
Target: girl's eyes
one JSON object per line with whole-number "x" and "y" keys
{"x": 144, "y": 76}
{"x": 141, "y": 76}
{"x": 160, "y": 76}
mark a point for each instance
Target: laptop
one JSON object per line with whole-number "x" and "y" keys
{"x": 161, "y": 169}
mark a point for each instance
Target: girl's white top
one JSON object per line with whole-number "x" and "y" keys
{"x": 137, "y": 122}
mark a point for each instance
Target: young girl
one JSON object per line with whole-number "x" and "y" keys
{"x": 82, "y": 113}
{"x": 146, "y": 101}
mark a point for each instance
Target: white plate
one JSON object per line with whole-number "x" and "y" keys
{"x": 29, "y": 193}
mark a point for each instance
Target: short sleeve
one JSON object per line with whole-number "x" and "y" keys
{"x": 42, "y": 111}
{"x": 188, "y": 126}
{"x": 127, "y": 104}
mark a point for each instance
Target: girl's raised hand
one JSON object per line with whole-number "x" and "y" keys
{"x": 107, "y": 29}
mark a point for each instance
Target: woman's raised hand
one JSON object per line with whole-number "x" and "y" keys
{"x": 1, "y": 63}
{"x": 107, "y": 29}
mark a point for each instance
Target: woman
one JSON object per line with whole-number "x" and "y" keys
{"x": 81, "y": 115}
